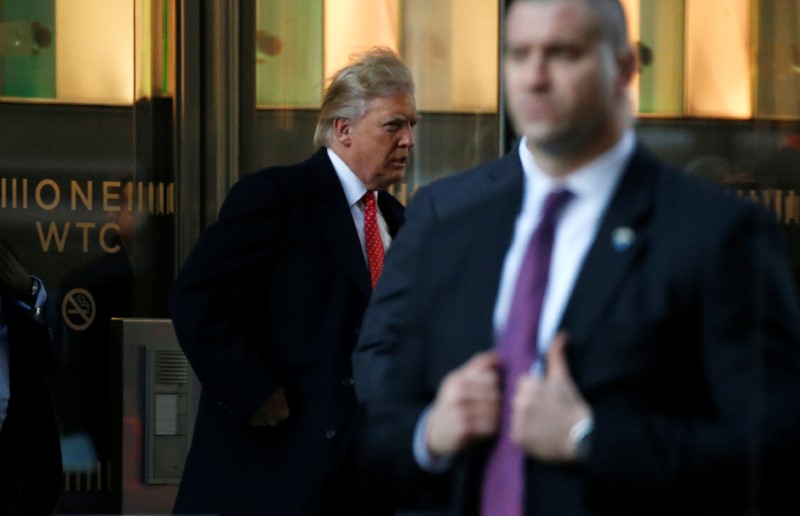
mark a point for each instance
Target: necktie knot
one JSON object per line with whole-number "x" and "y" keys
{"x": 369, "y": 200}
{"x": 553, "y": 204}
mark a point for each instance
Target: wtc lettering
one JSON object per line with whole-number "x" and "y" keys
{"x": 57, "y": 237}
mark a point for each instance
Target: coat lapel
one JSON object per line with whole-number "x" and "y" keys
{"x": 622, "y": 236}
{"x": 392, "y": 213}
{"x": 333, "y": 216}
{"x": 496, "y": 208}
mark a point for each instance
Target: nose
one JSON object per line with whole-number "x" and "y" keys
{"x": 540, "y": 76}
{"x": 536, "y": 73}
{"x": 407, "y": 138}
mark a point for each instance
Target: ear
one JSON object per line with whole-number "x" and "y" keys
{"x": 341, "y": 131}
{"x": 627, "y": 66}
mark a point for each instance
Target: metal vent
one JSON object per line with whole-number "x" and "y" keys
{"x": 171, "y": 367}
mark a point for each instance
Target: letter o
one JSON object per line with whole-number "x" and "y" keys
{"x": 56, "y": 194}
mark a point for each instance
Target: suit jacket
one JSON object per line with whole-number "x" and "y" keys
{"x": 30, "y": 454}
{"x": 273, "y": 295}
{"x": 685, "y": 344}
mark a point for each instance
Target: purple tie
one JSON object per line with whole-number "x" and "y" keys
{"x": 503, "y": 481}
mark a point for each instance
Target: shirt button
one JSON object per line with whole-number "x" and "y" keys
{"x": 347, "y": 381}
{"x": 330, "y": 434}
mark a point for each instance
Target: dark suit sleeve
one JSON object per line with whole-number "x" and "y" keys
{"x": 216, "y": 297}
{"x": 30, "y": 451}
{"x": 387, "y": 315}
{"x": 37, "y": 333}
{"x": 749, "y": 357}
{"x": 389, "y": 366}
{"x": 40, "y": 334}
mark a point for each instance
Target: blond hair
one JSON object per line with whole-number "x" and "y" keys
{"x": 379, "y": 72}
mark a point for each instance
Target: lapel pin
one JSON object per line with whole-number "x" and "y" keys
{"x": 622, "y": 238}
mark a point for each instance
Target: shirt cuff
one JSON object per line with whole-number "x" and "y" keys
{"x": 41, "y": 297}
{"x": 581, "y": 435}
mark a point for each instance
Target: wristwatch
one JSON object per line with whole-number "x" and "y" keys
{"x": 581, "y": 435}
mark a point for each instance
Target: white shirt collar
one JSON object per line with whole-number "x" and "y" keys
{"x": 596, "y": 179}
{"x": 354, "y": 189}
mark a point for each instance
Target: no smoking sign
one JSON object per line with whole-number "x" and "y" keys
{"x": 78, "y": 309}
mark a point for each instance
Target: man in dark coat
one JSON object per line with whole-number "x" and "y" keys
{"x": 576, "y": 328}
{"x": 268, "y": 308}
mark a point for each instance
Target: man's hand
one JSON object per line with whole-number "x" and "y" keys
{"x": 273, "y": 411}
{"x": 13, "y": 278}
{"x": 545, "y": 409}
{"x": 467, "y": 406}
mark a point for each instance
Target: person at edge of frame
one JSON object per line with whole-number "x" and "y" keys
{"x": 577, "y": 328}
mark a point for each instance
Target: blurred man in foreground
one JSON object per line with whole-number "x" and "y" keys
{"x": 576, "y": 328}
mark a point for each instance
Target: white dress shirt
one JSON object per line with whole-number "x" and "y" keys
{"x": 354, "y": 190}
{"x": 592, "y": 187}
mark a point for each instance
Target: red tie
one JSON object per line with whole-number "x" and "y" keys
{"x": 372, "y": 237}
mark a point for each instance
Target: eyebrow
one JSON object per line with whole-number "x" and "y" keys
{"x": 402, "y": 119}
